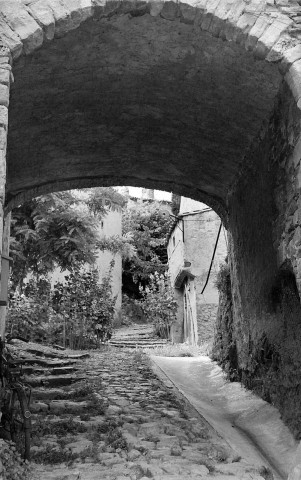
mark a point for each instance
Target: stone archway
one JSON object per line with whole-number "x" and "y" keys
{"x": 200, "y": 60}
{"x": 203, "y": 99}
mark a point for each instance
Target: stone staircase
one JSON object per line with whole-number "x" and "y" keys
{"x": 137, "y": 336}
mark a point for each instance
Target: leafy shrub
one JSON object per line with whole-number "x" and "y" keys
{"x": 78, "y": 313}
{"x": 158, "y": 303}
{"x": 31, "y": 315}
{"x": 87, "y": 308}
{"x": 223, "y": 279}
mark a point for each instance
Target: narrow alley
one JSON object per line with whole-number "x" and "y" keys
{"x": 110, "y": 416}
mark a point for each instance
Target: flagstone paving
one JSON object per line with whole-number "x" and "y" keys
{"x": 122, "y": 422}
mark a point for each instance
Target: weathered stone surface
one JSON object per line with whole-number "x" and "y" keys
{"x": 295, "y": 474}
{"x": 18, "y": 19}
{"x": 3, "y": 116}
{"x": 269, "y": 38}
{"x": 10, "y": 39}
{"x": 43, "y": 15}
{"x": 291, "y": 55}
{"x": 4, "y": 75}
{"x": 261, "y": 25}
{"x": 4, "y": 94}
{"x": 293, "y": 79}
{"x": 191, "y": 60}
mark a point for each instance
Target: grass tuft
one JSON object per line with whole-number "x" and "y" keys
{"x": 179, "y": 350}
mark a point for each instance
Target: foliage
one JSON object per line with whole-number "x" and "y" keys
{"x": 223, "y": 279}
{"x": 102, "y": 199}
{"x": 116, "y": 244}
{"x": 87, "y": 307}
{"x": 61, "y": 428}
{"x": 179, "y": 350}
{"x": 51, "y": 230}
{"x": 31, "y": 315}
{"x": 52, "y": 455}
{"x": 158, "y": 303}
{"x": 131, "y": 311}
{"x": 12, "y": 465}
{"x": 78, "y": 313}
{"x": 145, "y": 225}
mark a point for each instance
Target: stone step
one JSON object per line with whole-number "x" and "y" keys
{"x": 134, "y": 340}
{"x": 134, "y": 337}
{"x": 43, "y": 362}
{"x": 52, "y": 371}
{"x": 50, "y": 381}
{"x": 136, "y": 345}
{"x": 137, "y": 340}
{"x": 52, "y": 354}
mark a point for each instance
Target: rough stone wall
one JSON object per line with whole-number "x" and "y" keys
{"x": 206, "y": 318}
{"x": 265, "y": 351}
{"x": 5, "y": 80}
{"x": 224, "y": 349}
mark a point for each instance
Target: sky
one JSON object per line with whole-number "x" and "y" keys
{"x": 159, "y": 194}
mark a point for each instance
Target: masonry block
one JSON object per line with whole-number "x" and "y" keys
{"x": 3, "y": 139}
{"x": 188, "y": 13}
{"x": 80, "y": 9}
{"x": 261, "y": 25}
{"x": 3, "y": 116}
{"x": 216, "y": 26}
{"x": 290, "y": 56}
{"x": 43, "y": 15}
{"x": 23, "y": 24}
{"x": 9, "y": 38}
{"x": 69, "y": 14}
{"x": 170, "y": 11}
{"x": 62, "y": 17}
{"x": 243, "y": 26}
{"x": 200, "y": 4}
{"x": 224, "y": 8}
{"x": 271, "y": 35}
{"x": 4, "y": 75}
{"x": 231, "y": 19}
{"x": 275, "y": 55}
{"x": 4, "y": 95}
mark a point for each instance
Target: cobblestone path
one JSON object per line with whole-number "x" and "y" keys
{"x": 122, "y": 422}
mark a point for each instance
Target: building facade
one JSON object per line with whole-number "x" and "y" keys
{"x": 196, "y": 248}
